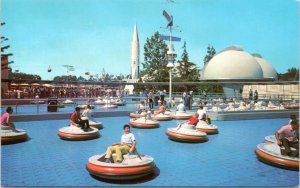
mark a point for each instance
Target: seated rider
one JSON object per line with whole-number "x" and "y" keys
{"x": 141, "y": 107}
{"x": 161, "y": 109}
{"x": 288, "y": 136}
{"x": 293, "y": 117}
{"x": 203, "y": 115}
{"x": 87, "y": 113}
{"x": 75, "y": 120}
{"x": 127, "y": 145}
{"x": 192, "y": 121}
{"x": 5, "y": 118}
{"x": 180, "y": 107}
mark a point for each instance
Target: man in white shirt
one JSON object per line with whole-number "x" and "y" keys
{"x": 127, "y": 145}
{"x": 180, "y": 107}
{"x": 202, "y": 113}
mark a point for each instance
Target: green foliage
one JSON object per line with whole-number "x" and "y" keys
{"x": 155, "y": 64}
{"x": 291, "y": 75}
{"x": 187, "y": 71}
{"x": 22, "y": 76}
{"x": 66, "y": 78}
{"x": 210, "y": 54}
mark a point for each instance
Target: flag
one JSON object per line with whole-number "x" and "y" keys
{"x": 164, "y": 37}
{"x": 169, "y": 18}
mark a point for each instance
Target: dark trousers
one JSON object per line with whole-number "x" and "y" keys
{"x": 84, "y": 124}
{"x": 287, "y": 148}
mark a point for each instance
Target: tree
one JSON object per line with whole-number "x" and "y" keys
{"x": 187, "y": 71}
{"x": 291, "y": 75}
{"x": 65, "y": 78}
{"x": 210, "y": 54}
{"x": 22, "y": 76}
{"x": 155, "y": 63}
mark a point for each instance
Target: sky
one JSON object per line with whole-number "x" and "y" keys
{"x": 95, "y": 34}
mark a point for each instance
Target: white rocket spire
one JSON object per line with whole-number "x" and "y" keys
{"x": 135, "y": 54}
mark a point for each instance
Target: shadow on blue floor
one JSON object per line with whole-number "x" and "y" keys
{"x": 137, "y": 181}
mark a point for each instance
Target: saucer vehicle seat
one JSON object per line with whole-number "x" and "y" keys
{"x": 76, "y": 133}
{"x": 137, "y": 115}
{"x": 93, "y": 123}
{"x": 133, "y": 166}
{"x": 68, "y": 101}
{"x": 9, "y": 136}
{"x": 109, "y": 106}
{"x": 181, "y": 115}
{"x": 270, "y": 153}
{"x": 204, "y": 127}
{"x": 270, "y": 139}
{"x": 161, "y": 117}
{"x": 186, "y": 133}
{"x": 143, "y": 123}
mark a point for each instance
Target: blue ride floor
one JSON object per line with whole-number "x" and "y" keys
{"x": 227, "y": 159}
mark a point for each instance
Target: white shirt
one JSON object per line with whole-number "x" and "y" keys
{"x": 201, "y": 114}
{"x": 87, "y": 113}
{"x": 128, "y": 138}
{"x": 181, "y": 107}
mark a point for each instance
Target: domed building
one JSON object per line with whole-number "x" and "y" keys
{"x": 234, "y": 64}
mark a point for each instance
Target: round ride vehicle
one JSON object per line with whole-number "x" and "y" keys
{"x": 134, "y": 166}
{"x": 161, "y": 117}
{"x": 83, "y": 106}
{"x": 11, "y": 136}
{"x": 109, "y": 106}
{"x": 119, "y": 102}
{"x": 137, "y": 115}
{"x": 93, "y": 123}
{"x": 207, "y": 128}
{"x": 77, "y": 134}
{"x": 142, "y": 122}
{"x": 270, "y": 153}
{"x": 270, "y": 139}
{"x": 68, "y": 101}
{"x": 186, "y": 133}
{"x": 99, "y": 101}
{"x": 181, "y": 115}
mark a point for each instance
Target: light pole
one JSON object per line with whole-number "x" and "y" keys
{"x": 171, "y": 59}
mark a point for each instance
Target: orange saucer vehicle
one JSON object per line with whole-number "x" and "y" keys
{"x": 134, "y": 166}
{"x": 75, "y": 133}
{"x": 10, "y": 136}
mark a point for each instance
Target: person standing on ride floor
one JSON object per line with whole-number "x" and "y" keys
{"x": 187, "y": 101}
{"x": 162, "y": 95}
{"x": 288, "y": 136}
{"x": 127, "y": 145}
{"x": 255, "y": 95}
{"x": 75, "y": 120}
{"x": 250, "y": 94}
{"x": 150, "y": 99}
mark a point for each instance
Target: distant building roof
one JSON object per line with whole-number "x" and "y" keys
{"x": 233, "y": 63}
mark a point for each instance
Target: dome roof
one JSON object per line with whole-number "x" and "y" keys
{"x": 268, "y": 70}
{"x": 233, "y": 64}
